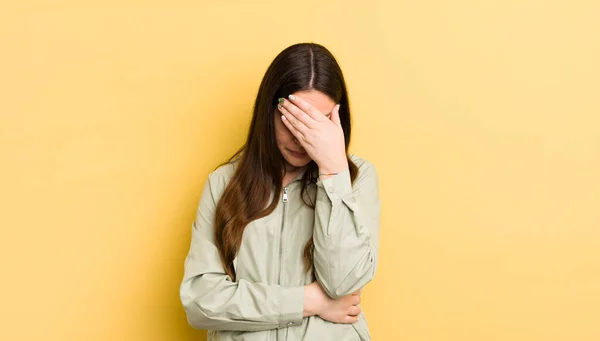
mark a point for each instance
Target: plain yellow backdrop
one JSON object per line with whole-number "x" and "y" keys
{"x": 482, "y": 117}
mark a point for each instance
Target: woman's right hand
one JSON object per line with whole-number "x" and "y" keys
{"x": 342, "y": 310}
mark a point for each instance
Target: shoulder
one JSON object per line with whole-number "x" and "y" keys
{"x": 218, "y": 178}
{"x": 367, "y": 173}
{"x": 364, "y": 166}
{"x": 367, "y": 179}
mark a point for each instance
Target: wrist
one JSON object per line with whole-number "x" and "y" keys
{"x": 308, "y": 302}
{"x": 332, "y": 170}
{"x": 334, "y": 166}
{"x": 325, "y": 173}
{"x": 311, "y": 300}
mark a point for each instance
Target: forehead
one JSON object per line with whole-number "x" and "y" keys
{"x": 317, "y": 99}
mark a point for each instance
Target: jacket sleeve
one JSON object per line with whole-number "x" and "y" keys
{"x": 346, "y": 231}
{"x": 213, "y": 301}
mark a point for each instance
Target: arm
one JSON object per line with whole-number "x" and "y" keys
{"x": 212, "y": 301}
{"x": 346, "y": 231}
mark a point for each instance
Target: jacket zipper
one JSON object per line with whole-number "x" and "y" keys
{"x": 284, "y": 199}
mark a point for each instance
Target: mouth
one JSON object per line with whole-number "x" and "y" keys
{"x": 297, "y": 153}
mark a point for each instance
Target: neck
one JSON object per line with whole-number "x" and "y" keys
{"x": 290, "y": 173}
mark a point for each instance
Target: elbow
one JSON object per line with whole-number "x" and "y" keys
{"x": 329, "y": 287}
{"x": 332, "y": 291}
{"x": 197, "y": 323}
{"x": 345, "y": 287}
{"x": 339, "y": 286}
{"x": 197, "y": 314}
{"x": 197, "y": 317}
{"x": 200, "y": 318}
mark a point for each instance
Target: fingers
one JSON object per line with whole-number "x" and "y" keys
{"x": 335, "y": 115}
{"x": 354, "y": 298}
{"x": 353, "y": 314}
{"x": 306, "y": 107}
{"x": 300, "y": 114}
{"x": 351, "y": 319}
{"x": 354, "y": 310}
{"x": 297, "y": 128}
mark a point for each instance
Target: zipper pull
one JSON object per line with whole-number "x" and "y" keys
{"x": 285, "y": 197}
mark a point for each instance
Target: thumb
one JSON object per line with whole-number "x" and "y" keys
{"x": 335, "y": 115}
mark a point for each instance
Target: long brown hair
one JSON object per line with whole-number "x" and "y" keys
{"x": 261, "y": 167}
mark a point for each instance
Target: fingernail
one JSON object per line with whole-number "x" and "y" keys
{"x": 281, "y": 100}
{"x": 283, "y": 118}
{"x": 279, "y": 106}
{"x": 292, "y": 97}
{"x": 339, "y": 105}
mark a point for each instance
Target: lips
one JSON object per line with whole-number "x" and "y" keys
{"x": 298, "y": 154}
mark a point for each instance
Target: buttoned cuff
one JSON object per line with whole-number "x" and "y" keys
{"x": 337, "y": 186}
{"x": 291, "y": 306}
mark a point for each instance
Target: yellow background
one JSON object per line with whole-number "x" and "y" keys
{"x": 482, "y": 118}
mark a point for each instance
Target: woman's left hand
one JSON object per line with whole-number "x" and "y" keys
{"x": 321, "y": 137}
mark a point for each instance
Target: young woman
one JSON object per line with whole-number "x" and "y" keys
{"x": 286, "y": 232}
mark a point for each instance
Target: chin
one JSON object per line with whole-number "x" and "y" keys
{"x": 298, "y": 162}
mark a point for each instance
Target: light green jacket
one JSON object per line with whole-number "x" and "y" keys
{"x": 266, "y": 302}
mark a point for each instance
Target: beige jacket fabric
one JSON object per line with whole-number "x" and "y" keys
{"x": 266, "y": 301}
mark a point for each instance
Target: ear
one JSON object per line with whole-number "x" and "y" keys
{"x": 335, "y": 115}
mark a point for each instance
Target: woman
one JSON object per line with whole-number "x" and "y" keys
{"x": 286, "y": 232}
